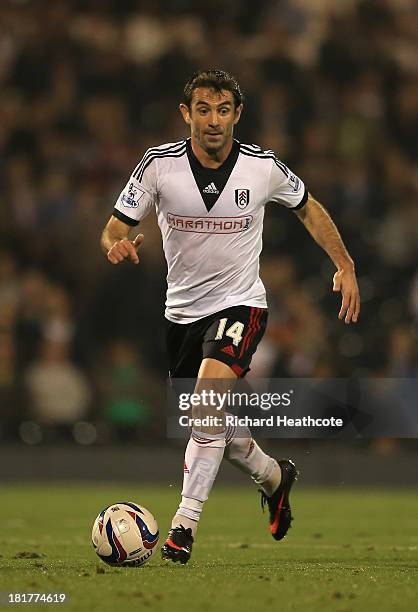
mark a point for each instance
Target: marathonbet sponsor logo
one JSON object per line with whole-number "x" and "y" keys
{"x": 210, "y": 225}
{"x": 211, "y": 188}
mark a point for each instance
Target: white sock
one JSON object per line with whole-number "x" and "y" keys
{"x": 243, "y": 452}
{"x": 202, "y": 459}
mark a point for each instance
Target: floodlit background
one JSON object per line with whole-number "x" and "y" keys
{"x": 86, "y": 87}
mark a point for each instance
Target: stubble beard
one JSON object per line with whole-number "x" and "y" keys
{"x": 212, "y": 149}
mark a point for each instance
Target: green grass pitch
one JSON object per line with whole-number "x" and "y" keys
{"x": 348, "y": 550}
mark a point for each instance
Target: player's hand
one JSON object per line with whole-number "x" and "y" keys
{"x": 125, "y": 249}
{"x": 346, "y": 282}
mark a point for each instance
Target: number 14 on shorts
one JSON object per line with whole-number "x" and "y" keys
{"x": 234, "y": 331}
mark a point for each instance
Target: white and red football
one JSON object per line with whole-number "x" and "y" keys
{"x": 125, "y": 534}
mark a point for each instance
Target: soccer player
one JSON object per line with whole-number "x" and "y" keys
{"x": 209, "y": 192}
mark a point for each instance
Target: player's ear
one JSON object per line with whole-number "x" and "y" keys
{"x": 238, "y": 112}
{"x": 184, "y": 109}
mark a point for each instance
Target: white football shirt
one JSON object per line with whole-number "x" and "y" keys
{"x": 211, "y": 222}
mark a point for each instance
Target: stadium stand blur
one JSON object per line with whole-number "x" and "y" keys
{"x": 87, "y": 86}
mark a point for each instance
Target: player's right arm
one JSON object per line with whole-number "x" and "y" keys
{"x": 133, "y": 204}
{"x": 116, "y": 244}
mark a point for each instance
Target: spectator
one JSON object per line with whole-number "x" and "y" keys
{"x": 58, "y": 392}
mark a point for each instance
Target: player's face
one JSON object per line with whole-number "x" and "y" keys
{"x": 212, "y": 116}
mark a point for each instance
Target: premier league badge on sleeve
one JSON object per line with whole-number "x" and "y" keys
{"x": 132, "y": 196}
{"x": 294, "y": 182}
{"x": 242, "y": 198}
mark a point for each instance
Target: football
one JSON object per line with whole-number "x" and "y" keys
{"x": 125, "y": 534}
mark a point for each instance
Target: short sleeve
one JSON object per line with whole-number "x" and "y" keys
{"x": 285, "y": 187}
{"x": 140, "y": 193}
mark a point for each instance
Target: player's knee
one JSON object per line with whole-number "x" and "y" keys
{"x": 208, "y": 420}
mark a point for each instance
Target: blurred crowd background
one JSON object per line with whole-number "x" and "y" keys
{"x": 86, "y": 86}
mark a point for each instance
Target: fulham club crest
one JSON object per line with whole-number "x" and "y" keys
{"x": 242, "y": 197}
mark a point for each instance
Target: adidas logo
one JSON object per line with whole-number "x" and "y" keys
{"x": 229, "y": 350}
{"x": 211, "y": 188}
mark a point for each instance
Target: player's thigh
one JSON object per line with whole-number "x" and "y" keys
{"x": 211, "y": 368}
{"x": 233, "y": 336}
{"x": 215, "y": 376}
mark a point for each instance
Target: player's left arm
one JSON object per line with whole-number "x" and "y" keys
{"x": 322, "y": 228}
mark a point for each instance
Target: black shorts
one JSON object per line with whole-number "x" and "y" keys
{"x": 230, "y": 336}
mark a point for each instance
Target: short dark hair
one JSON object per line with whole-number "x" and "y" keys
{"x": 216, "y": 79}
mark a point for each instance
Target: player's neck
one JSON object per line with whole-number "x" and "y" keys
{"x": 211, "y": 160}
